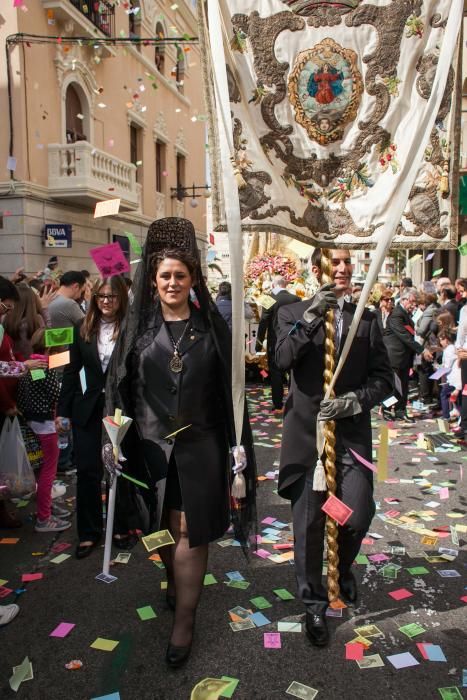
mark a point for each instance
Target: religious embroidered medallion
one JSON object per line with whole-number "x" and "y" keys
{"x": 325, "y": 88}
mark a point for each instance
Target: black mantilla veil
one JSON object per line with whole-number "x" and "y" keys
{"x": 145, "y": 314}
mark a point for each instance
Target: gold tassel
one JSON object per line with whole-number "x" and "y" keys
{"x": 239, "y": 486}
{"x": 330, "y": 438}
{"x": 444, "y": 181}
{"x": 239, "y": 179}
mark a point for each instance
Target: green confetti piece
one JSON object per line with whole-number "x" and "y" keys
{"x": 243, "y": 585}
{"x": 436, "y": 273}
{"x": 209, "y": 580}
{"x": 37, "y": 374}
{"x": 362, "y": 559}
{"x": 58, "y": 336}
{"x": 418, "y": 570}
{"x": 283, "y": 594}
{"x": 450, "y": 693}
{"x": 135, "y": 481}
{"x": 134, "y": 243}
{"x": 462, "y": 249}
{"x": 229, "y": 691}
{"x": 146, "y": 613}
{"x": 260, "y": 602}
{"x": 412, "y": 630}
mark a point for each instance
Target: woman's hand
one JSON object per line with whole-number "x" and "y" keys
{"x": 462, "y": 354}
{"x": 59, "y": 427}
{"x": 239, "y": 456}
{"x": 48, "y": 295}
{"x": 36, "y": 364}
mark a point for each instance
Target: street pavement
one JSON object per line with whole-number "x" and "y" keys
{"x": 401, "y": 570}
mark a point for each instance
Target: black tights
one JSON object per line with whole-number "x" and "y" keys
{"x": 186, "y": 569}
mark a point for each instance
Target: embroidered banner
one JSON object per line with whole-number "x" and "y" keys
{"x": 326, "y": 101}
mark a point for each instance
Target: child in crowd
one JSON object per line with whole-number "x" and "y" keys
{"x": 449, "y": 382}
{"x": 37, "y": 401}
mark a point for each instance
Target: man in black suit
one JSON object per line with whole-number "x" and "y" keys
{"x": 267, "y": 326}
{"x": 402, "y": 347}
{"x": 365, "y": 380}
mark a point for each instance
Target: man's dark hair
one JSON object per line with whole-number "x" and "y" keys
{"x": 225, "y": 290}
{"x": 8, "y": 290}
{"x": 86, "y": 274}
{"x": 72, "y": 277}
{"x": 406, "y": 282}
{"x": 448, "y": 292}
{"x": 316, "y": 257}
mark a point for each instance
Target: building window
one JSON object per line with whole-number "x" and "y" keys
{"x": 136, "y": 150}
{"x": 159, "y": 58}
{"x": 180, "y": 176}
{"x": 180, "y": 68}
{"x": 160, "y": 166}
{"x": 74, "y": 115}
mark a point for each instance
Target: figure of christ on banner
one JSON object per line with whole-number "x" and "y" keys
{"x": 325, "y": 89}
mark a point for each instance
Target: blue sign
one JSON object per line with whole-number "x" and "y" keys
{"x": 57, "y": 235}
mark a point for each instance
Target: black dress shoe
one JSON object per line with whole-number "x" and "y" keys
{"x": 317, "y": 629}
{"x": 405, "y": 418}
{"x": 171, "y": 601}
{"x": 177, "y": 656}
{"x": 84, "y": 551}
{"x": 348, "y": 589}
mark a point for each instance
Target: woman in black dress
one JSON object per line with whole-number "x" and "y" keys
{"x": 171, "y": 375}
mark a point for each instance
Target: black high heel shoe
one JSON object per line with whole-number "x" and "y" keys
{"x": 177, "y": 656}
{"x": 171, "y": 601}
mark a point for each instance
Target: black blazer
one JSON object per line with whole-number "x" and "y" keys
{"x": 268, "y": 321}
{"x": 73, "y": 403}
{"x": 400, "y": 342}
{"x": 300, "y": 348}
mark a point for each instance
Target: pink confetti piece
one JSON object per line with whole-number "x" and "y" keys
{"x": 272, "y": 640}
{"x": 31, "y": 577}
{"x": 62, "y": 630}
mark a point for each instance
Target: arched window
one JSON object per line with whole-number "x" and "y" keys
{"x": 159, "y": 58}
{"x": 74, "y": 115}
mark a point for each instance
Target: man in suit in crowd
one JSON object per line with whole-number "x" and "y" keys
{"x": 267, "y": 326}
{"x": 402, "y": 347}
{"x": 364, "y": 382}
{"x": 447, "y": 299}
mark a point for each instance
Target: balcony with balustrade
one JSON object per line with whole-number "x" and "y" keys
{"x": 83, "y": 175}
{"x": 84, "y": 17}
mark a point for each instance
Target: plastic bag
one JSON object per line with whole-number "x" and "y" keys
{"x": 32, "y": 445}
{"x": 15, "y": 471}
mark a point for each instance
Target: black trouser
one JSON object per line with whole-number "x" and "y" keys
{"x": 277, "y": 379}
{"x": 87, "y": 447}
{"x": 403, "y": 374}
{"x": 355, "y": 489}
{"x": 464, "y": 398}
{"x": 425, "y": 384}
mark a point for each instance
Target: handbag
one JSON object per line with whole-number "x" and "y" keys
{"x": 15, "y": 471}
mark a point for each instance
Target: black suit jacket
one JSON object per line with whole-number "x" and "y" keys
{"x": 300, "y": 347}
{"x": 400, "y": 342}
{"x": 268, "y": 322}
{"x": 73, "y": 403}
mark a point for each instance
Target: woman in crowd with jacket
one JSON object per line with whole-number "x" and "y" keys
{"x": 82, "y": 398}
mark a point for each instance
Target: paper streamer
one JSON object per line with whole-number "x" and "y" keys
{"x": 382, "y": 470}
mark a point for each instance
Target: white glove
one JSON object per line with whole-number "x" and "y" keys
{"x": 238, "y": 453}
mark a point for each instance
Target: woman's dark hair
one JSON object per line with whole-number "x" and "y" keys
{"x": 182, "y": 256}
{"x": 446, "y": 335}
{"x": 90, "y": 325}
{"x": 8, "y": 290}
{"x": 26, "y": 313}
{"x": 225, "y": 290}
